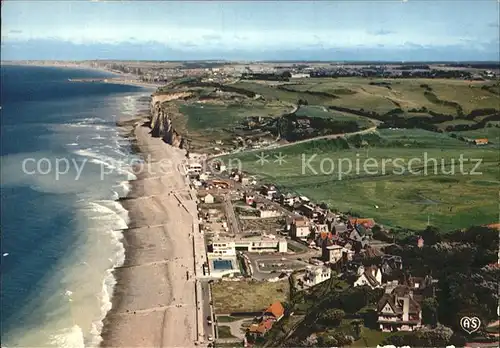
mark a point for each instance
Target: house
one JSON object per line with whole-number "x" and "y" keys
{"x": 287, "y": 199}
{"x": 245, "y": 181}
{"x": 371, "y": 276}
{"x": 316, "y": 275}
{"x": 420, "y": 242}
{"x": 398, "y": 310}
{"x": 204, "y": 176}
{"x": 338, "y": 228}
{"x": 275, "y": 311}
{"x": 304, "y": 199}
{"x": 309, "y": 211}
{"x": 265, "y": 212}
{"x": 300, "y": 227}
{"x": 220, "y": 184}
{"x": 269, "y": 191}
{"x": 366, "y": 223}
{"x": 249, "y": 198}
{"x": 481, "y": 141}
{"x": 357, "y": 240}
{"x": 318, "y": 228}
{"x": 209, "y": 199}
{"x": 333, "y": 253}
{"x": 391, "y": 264}
{"x": 260, "y": 329}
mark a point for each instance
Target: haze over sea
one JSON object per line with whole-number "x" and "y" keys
{"x": 61, "y": 238}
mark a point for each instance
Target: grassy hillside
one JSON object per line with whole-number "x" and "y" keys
{"x": 383, "y": 95}
{"x": 366, "y": 178}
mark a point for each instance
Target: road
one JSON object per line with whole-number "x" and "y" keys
{"x": 280, "y": 146}
{"x": 206, "y": 309}
{"x": 232, "y": 221}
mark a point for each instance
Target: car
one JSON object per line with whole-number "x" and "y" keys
{"x": 210, "y": 338}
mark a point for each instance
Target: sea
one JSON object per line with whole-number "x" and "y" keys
{"x": 64, "y": 166}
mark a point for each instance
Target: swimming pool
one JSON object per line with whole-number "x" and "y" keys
{"x": 223, "y": 264}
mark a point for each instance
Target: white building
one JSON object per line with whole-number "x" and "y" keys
{"x": 300, "y": 76}
{"x": 229, "y": 246}
{"x": 334, "y": 253}
{"x": 209, "y": 199}
{"x": 300, "y": 228}
{"x": 371, "y": 276}
{"x": 316, "y": 275}
{"x": 193, "y": 168}
{"x": 269, "y": 213}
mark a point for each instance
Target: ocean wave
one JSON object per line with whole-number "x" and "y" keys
{"x": 68, "y": 338}
{"x": 120, "y": 167}
{"x": 124, "y": 187}
{"x": 106, "y": 208}
{"x": 111, "y": 212}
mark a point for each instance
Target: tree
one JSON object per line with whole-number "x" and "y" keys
{"x": 357, "y": 324}
{"x": 332, "y": 316}
{"x": 327, "y": 341}
{"x": 431, "y": 235}
{"x": 429, "y": 311}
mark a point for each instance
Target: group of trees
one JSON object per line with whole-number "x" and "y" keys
{"x": 292, "y": 127}
{"x": 458, "y": 260}
{"x": 440, "y": 336}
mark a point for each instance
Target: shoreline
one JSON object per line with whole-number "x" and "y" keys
{"x": 152, "y": 294}
{"x": 120, "y": 79}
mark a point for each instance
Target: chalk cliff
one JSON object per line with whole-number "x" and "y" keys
{"x": 161, "y": 121}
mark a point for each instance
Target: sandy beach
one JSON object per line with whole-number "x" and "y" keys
{"x": 154, "y": 303}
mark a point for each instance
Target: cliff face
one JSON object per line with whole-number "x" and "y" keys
{"x": 161, "y": 122}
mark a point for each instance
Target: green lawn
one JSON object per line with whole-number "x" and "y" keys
{"x": 371, "y": 338}
{"x": 379, "y": 184}
{"x": 224, "y": 332}
{"x": 226, "y": 319}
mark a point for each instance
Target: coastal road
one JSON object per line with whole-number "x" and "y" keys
{"x": 207, "y": 309}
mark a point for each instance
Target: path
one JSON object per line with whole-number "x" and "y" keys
{"x": 280, "y": 146}
{"x": 235, "y": 327}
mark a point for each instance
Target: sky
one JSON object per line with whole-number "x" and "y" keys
{"x": 409, "y": 30}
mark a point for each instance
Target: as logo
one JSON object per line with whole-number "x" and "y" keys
{"x": 470, "y": 325}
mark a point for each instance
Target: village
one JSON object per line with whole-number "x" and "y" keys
{"x": 255, "y": 234}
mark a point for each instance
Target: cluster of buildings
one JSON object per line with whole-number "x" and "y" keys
{"x": 342, "y": 243}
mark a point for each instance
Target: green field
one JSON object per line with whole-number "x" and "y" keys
{"x": 380, "y": 187}
{"x": 210, "y": 117}
{"x": 322, "y": 112}
{"x": 492, "y": 133}
{"x": 406, "y": 94}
